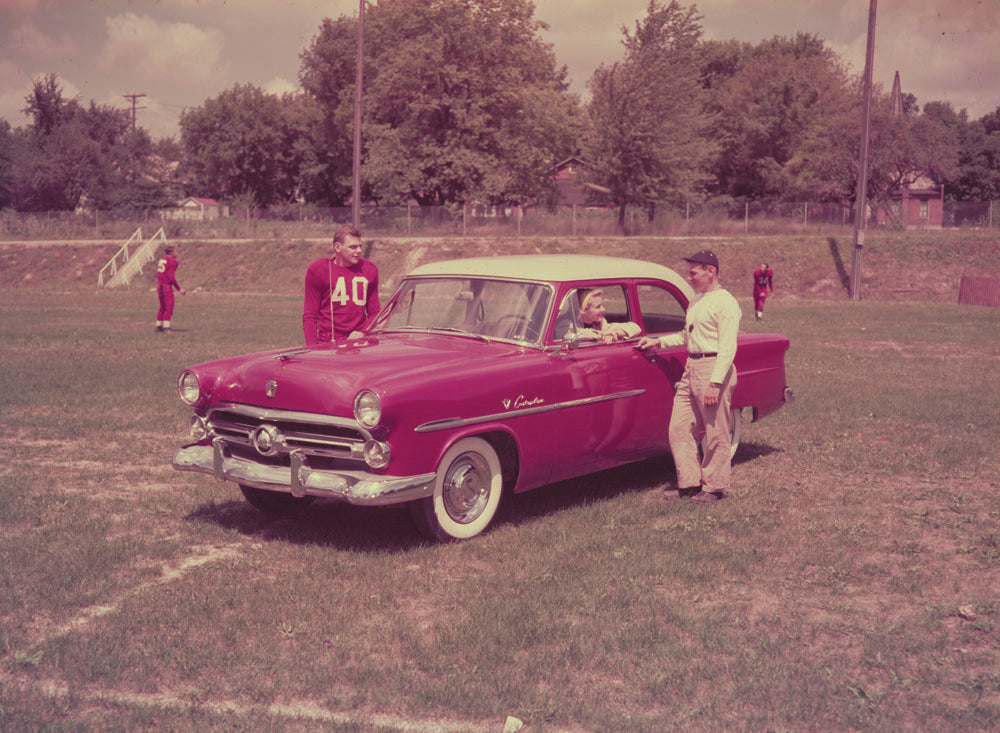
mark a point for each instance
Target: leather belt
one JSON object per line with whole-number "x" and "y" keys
{"x": 703, "y": 355}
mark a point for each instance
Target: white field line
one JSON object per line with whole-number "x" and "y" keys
{"x": 303, "y": 710}
{"x": 168, "y": 574}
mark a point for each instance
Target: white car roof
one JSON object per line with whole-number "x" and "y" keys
{"x": 555, "y": 268}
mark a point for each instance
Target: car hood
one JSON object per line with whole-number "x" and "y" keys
{"x": 326, "y": 378}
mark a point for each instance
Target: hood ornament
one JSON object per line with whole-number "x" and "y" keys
{"x": 270, "y": 388}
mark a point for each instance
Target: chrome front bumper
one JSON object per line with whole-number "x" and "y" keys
{"x": 355, "y": 487}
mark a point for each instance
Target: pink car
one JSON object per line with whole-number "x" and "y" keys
{"x": 476, "y": 379}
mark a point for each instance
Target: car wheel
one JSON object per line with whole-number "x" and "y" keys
{"x": 275, "y": 503}
{"x": 734, "y": 434}
{"x": 466, "y": 493}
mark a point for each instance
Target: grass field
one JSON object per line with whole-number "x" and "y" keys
{"x": 849, "y": 583}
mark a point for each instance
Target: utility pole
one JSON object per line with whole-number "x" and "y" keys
{"x": 358, "y": 85}
{"x": 134, "y": 97}
{"x": 861, "y": 198}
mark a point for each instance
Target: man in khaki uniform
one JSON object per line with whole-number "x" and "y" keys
{"x": 703, "y": 401}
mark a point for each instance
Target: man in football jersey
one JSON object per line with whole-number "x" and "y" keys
{"x": 341, "y": 292}
{"x": 763, "y": 278}
{"x": 166, "y": 281}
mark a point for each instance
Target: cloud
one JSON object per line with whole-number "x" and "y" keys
{"x": 13, "y": 90}
{"x": 19, "y": 7}
{"x": 944, "y": 50}
{"x": 26, "y": 41}
{"x": 279, "y": 85}
{"x": 157, "y": 51}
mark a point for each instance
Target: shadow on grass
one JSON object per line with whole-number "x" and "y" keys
{"x": 595, "y": 487}
{"x": 838, "y": 263}
{"x": 750, "y": 451}
{"x": 324, "y": 523}
{"x": 390, "y": 529}
{"x": 646, "y": 475}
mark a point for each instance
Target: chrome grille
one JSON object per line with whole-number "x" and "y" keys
{"x": 313, "y": 434}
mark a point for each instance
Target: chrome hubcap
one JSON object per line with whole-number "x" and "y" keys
{"x": 466, "y": 488}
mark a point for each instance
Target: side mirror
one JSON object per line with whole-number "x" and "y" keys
{"x": 570, "y": 341}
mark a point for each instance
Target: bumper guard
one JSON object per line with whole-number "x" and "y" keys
{"x": 361, "y": 488}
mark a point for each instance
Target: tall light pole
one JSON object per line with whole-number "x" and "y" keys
{"x": 861, "y": 198}
{"x": 358, "y": 86}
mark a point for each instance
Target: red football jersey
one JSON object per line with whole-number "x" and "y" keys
{"x": 349, "y": 293}
{"x": 165, "y": 269}
{"x": 763, "y": 279}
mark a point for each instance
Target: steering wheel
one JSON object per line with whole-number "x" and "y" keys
{"x": 518, "y": 327}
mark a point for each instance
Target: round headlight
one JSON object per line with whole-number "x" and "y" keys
{"x": 188, "y": 387}
{"x": 367, "y": 408}
{"x": 377, "y": 454}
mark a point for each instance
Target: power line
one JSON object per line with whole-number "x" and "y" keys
{"x": 134, "y": 97}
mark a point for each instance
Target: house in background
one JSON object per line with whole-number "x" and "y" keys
{"x": 573, "y": 189}
{"x": 917, "y": 202}
{"x": 921, "y": 204}
{"x": 195, "y": 208}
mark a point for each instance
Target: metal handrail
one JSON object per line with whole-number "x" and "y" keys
{"x": 121, "y": 274}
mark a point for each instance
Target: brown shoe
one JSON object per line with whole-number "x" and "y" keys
{"x": 706, "y": 497}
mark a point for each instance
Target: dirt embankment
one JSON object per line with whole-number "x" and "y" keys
{"x": 924, "y": 266}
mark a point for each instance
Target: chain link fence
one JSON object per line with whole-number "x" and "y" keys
{"x": 733, "y": 218}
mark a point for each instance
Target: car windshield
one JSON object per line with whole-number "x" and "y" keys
{"x": 506, "y": 310}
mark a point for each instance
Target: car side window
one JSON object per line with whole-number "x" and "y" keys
{"x": 662, "y": 310}
{"x": 567, "y": 317}
{"x": 615, "y": 304}
{"x": 616, "y": 309}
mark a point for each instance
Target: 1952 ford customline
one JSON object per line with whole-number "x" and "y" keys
{"x": 475, "y": 379}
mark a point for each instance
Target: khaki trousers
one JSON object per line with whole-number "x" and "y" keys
{"x": 692, "y": 424}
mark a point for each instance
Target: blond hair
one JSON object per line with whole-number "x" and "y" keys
{"x": 584, "y": 296}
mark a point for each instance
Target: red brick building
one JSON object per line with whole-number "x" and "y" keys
{"x": 573, "y": 189}
{"x": 916, "y": 205}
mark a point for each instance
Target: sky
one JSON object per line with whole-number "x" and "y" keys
{"x": 178, "y": 53}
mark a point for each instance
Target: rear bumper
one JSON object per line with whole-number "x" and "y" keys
{"x": 761, "y": 411}
{"x": 355, "y": 487}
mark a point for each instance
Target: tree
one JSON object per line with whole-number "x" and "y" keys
{"x": 72, "y": 155}
{"x": 55, "y": 171}
{"x": 771, "y": 100}
{"x": 8, "y": 147}
{"x": 239, "y": 144}
{"x": 59, "y": 161}
{"x": 118, "y": 155}
{"x": 906, "y": 150}
{"x": 978, "y": 175}
{"x": 463, "y": 101}
{"x": 314, "y": 153}
{"x": 648, "y": 136}
{"x": 903, "y": 150}
{"x": 46, "y": 106}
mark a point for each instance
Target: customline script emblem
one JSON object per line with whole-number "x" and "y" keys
{"x": 521, "y": 402}
{"x": 271, "y": 388}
